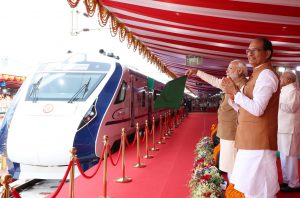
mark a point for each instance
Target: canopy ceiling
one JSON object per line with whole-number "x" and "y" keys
{"x": 218, "y": 31}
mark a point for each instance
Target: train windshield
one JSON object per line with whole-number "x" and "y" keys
{"x": 59, "y": 85}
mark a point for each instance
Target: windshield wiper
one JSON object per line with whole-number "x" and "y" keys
{"x": 35, "y": 89}
{"x": 84, "y": 88}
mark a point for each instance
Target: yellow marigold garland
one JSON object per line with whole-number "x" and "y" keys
{"x": 103, "y": 15}
{"x": 129, "y": 39}
{"x": 114, "y": 25}
{"x": 135, "y": 43}
{"x": 123, "y": 32}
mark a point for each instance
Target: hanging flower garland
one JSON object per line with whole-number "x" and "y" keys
{"x": 90, "y": 6}
{"x": 103, "y": 15}
{"x": 148, "y": 55}
{"x": 135, "y": 43}
{"x": 123, "y": 32}
{"x": 129, "y": 39}
{"x": 151, "y": 58}
{"x": 73, "y": 3}
{"x": 114, "y": 25}
{"x": 140, "y": 46}
{"x": 144, "y": 51}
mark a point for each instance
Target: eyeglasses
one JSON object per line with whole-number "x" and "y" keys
{"x": 253, "y": 50}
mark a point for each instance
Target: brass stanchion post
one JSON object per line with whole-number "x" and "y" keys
{"x": 175, "y": 118}
{"x": 138, "y": 164}
{"x": 161, "y": 132}
{"x": 3, "y": 162}
{"x": 5, "y": 181}
{"x": 105, "y": 140}
{"x": 147, "y": 156}
{"x": 153, "y": 136}
{"x": 123, "y": 179}
{"x": 167, "y": 134}
{"x": 170, "y": 130}
{"x": 72, "y": 172}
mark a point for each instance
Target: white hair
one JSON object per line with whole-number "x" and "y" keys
{"x": 291, "y": 75}
{"x": 241, "y": 65}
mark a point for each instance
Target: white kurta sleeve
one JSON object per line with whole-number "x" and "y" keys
{"x": 292, "y": 104}
{"x": 266, "y": 84}
{"x": 212, "y": 80}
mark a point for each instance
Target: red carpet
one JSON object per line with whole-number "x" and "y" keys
{"x": 166, "y": 175}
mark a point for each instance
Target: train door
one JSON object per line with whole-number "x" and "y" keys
{"x": 132, "y": 101}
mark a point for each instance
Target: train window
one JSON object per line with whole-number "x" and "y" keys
{"x": 122, "y": 93}
{"x": 143, "y": 99}
{"x": 63, "y": 86}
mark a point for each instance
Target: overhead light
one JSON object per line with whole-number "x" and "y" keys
{"x": 298, "y": 68}
{"x": 281, "y": 69}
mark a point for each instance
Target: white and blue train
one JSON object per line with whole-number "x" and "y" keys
{"x": 72, "y": 104}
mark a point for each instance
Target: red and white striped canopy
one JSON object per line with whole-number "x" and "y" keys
{"x": 216, "y": 30}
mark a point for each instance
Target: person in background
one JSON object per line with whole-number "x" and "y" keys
{"x": 227, "y": 116}
{"x": 289, "y": 131}
{"x": 255, "y": 170}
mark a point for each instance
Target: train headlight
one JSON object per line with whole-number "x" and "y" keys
{"x": 88, "y": 117}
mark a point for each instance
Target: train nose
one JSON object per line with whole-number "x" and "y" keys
{"x": 41, "y": 140}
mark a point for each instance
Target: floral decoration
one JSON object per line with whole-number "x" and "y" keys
{"x": 206, "y": 179}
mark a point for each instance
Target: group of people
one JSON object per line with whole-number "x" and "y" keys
{"x": 257, "y": 118}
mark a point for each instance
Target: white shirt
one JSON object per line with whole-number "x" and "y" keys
{"x": 266, "y": 84}
{"x": 289, "y": 110}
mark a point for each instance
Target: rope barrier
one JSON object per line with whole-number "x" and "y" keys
{"x": 134, "y": 140}
{"x": 118, "y": 157}
{"x": 97, "y": 168}
{"x": 15, "y": 193}
{"x": 163, "y": 127}
{"x": 63, "y": 180}
{"x": 144, "y": 135}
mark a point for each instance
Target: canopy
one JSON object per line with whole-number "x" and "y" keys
{"x": 217, "y": 31}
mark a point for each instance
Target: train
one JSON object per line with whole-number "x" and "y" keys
{"x": 73, "y": 103}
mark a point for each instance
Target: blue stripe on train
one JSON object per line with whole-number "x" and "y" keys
{"x": 85, "y": 138}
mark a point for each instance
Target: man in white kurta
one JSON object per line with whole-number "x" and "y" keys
{"x": 289, "y": 131}
{"x": 255, "y": 170}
